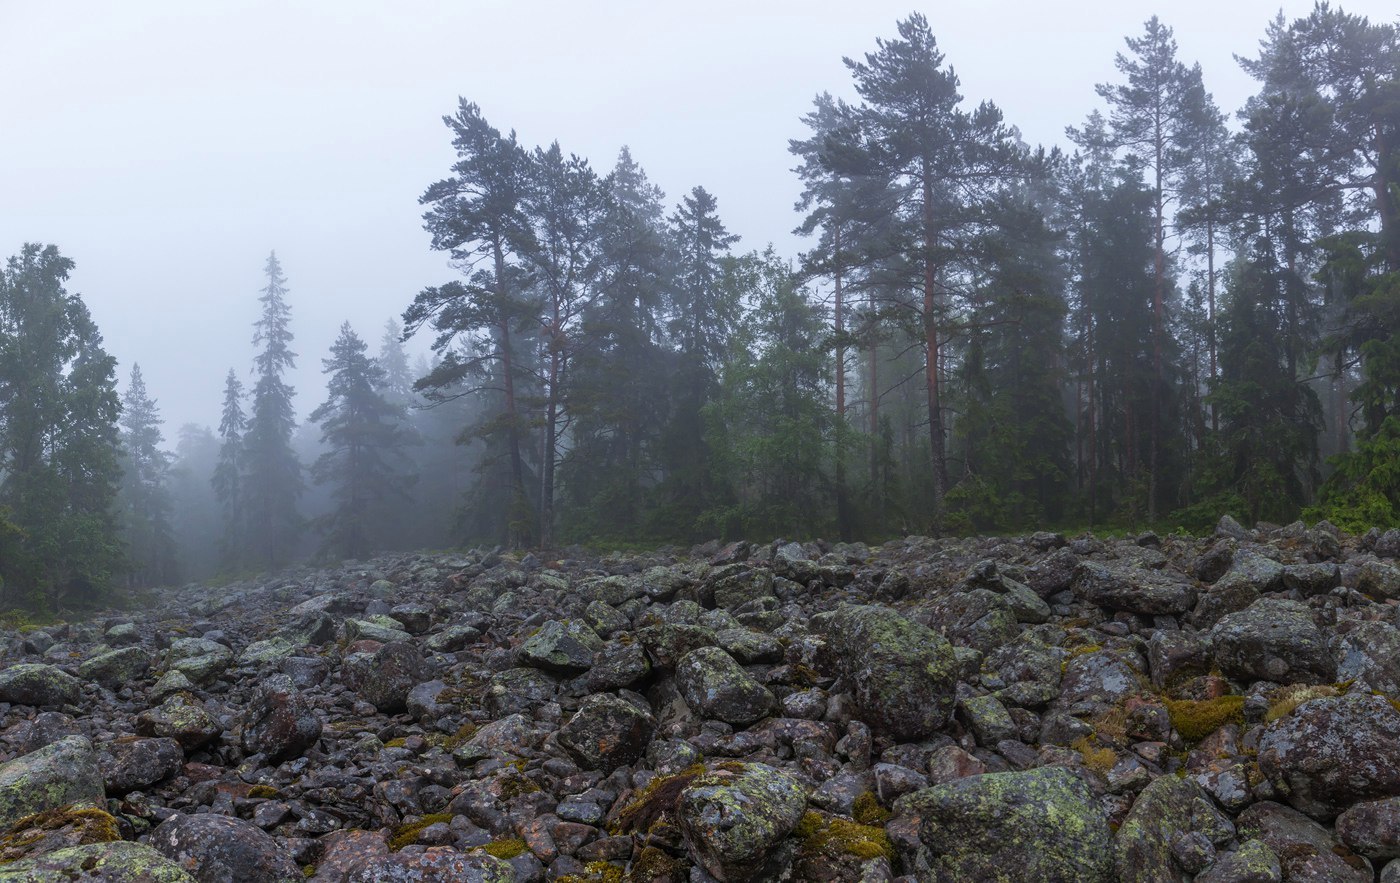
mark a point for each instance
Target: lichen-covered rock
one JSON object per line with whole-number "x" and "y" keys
{"x": 436, "y": 864}
{"x": 566, "y": 646}
{"x": 735, "y": 818}
{"x": 1333, "y": 752}
{"x": 1368, "y": 653}
{"x": 1309, "y": 580}
{"x": 1177, "y": 656}
{"x": 715, "y": 686}
{"x": 503, "y": 738}
{"x": 1273, "y": 640}
{"x": 115, "y": 668}
{"x": 181, "y": 719}
{"x": 1253, "y": 862}
{"x": 987, "y": 718}
{"x": 1098, "y": 676}
{"x": 220, "y": 849}
{"x": 1306, "y": 851}
{"x": 1166, "y": 810}
{"x": 979, "y": 619}
{"x": 279, "y": 722}
{"x": 1372, "y": 828}
{"x": 1133, "y": 588}
{"x": 38, "y": 684}
{"x": 57, "y": 829}
{"x": 199, "y": 659}
{"x": 1026, "y": 672}
{"x": 56, "y": 775}
{"x": 1380, "y": 581}
{"x": 607, "y": 732}
{"x": 268, "y": 651}
{"x": 384, "y": 629}
{"x": 1042, "y": 824}
{"x": 903, "y": 675}
{"x": 118, "y": 862}
{"x": 385, "y": 679}
{"x": 131, "y": 764}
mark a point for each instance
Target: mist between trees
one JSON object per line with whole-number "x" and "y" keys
{"x": 1192, "y": 314}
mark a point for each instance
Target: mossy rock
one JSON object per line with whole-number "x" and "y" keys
{"x": 736, "y": 819}
{"x": 57, "y": 829}
{"x": 61, "y": 774}
{"x": 118, "y": 862}
{"x": 37, "y": 684}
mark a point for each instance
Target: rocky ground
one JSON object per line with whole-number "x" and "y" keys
{"x": 1028, "y": 709}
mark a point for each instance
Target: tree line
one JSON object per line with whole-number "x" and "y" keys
{"x": 1175, "y": 319}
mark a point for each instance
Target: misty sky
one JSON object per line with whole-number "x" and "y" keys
{"x": 168, "y": 145}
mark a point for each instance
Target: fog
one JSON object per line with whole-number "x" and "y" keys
{"x": 167, "y": 146}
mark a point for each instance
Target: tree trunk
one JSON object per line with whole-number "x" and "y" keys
{"x": 843, "y": 505}
{"x": 935, "y": 411}
{"x": 517, "y": 466}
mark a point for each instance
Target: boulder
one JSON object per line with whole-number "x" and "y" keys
{"x": 607, "y": 732}
{"x": 1042, "y": 824}
{"x": 736, "y": 818}
{"x": 1305, "y": 849}
{"x": 1273, "y": 640}
{"x": 116, "y": 668}
{"x": 279, "y": 722}
{"x": 131, "y": 764}
{"x": 1372, "y": 828}
{"x": 118, "y": 862}
{"x": 181, "y": 719}
{"x": 199, "y": 659}
{"x": 220, "y": 849}
{"x": 902, "y": 675}
{"x": 715, "y": 686}
{"x": 1133, "y": 589}
{"x": 565, "y": 647}
{"x": 56, "y": 775}
{"x": 1332, "y": 752}
{"x": 1164, "y": 812}
{"x": 437, "y": 864}
{"x": 385, "y": 678}
{"x": 38, "y": 684}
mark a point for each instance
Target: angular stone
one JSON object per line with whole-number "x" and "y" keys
{"x": 561, "y": 647}
{"x": 607, "y": 732}
{"x": 1133, "y": 589}
{"x": 1166, "y": 809}
{"x": 1333, "y": 752}
{"x": 56, "y": 775}
{"x": 1273, "y": 640}
{"x": 280, "y": 722}
{"x": 182, "y": 720}
{"x": 735, "y": 817}
{"x": 220, "y": 849}
{"x": 116, "y": 668}
{"x": 133, "y": 764}
{"x": 715, "y": 686}
{"x": 38, "y": 684}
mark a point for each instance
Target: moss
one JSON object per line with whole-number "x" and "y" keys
{"x": 1195, "y": 720}
{"x": 597, "y": 872}
{"x": 262, "y": 791}
{"x": 308, "y": 871}
{"x": 516, "y": 785}
{"x": 407, "y": 835}
{"x": 868, "y": 810}
{"x": 1098, "y": 759}
{"x": 658, "y": 798}
{"x": 1285, "y": 700}
{"x": 396, "y": 742}
{"x": 506, "y": 849}
{"x": 459, "y": 738}
{"x": 833, "y": 837}
{"x": 653, "y": 864}
{"x": 91, "y": 825}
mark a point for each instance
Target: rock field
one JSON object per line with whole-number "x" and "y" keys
{"x": 1156, "y": 709}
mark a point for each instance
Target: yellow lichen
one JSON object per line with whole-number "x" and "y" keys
{"x": 406, "y": 835}
{"x": 87, "y": 825}
{"x": 1195, "y": 720}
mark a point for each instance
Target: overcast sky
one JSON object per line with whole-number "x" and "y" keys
{"x": 166, "y": 145}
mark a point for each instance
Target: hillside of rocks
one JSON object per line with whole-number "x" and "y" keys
{"x": 1042, "y": 708}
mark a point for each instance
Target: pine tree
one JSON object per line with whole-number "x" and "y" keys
{"x": 59, "y": 444}
{"x": 364, "y": 435}
{"x": 272, "y": 480}
{"x": 227, "y": 480}
{"x": 145, "y": 492}
{"x": 398, "y": 377}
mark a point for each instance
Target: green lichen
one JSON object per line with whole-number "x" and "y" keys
{"x": 1195, "y": 720}
{"x": 506, "y": 849}
{"x": 407, "y": 835}
{"x": 85, "y": 823}
{"x": 262, "y": 791}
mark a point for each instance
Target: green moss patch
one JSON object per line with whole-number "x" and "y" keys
{"x": 1195, "y": 720}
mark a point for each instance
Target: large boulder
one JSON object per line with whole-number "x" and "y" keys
{"x": 736, "y": 817}
{"x": 715, "y": 686}
{"x": 115, "y": 668}
{"x": 385, "y": 678}
{"x": 1133, "y": 588}
{"x": 279, "y": 722}
{"x": 436, "y": 864}
{"x": 1042, "y": 824}
{"x": 1333, "y": 752}
{"x": 182, "y": 719}
{"x": 56, "y": 775}
{"x": 1306, "y": 851}
{"x": 220, "y": 849}
{"x": 199, "y": 659}
{"x": 565, "y": 647}
{"x": 1163, "y": 813}
{"x": 902, "y": 675}
{"x": 607, "y": 732}
{"x": 1372, "y": 828}
{"x": 130, "y": 764}
{"x": 117, "y": 862}
{"x": 1273, "y": 640}
{"x": 1368, "y": 653}
{"x": 38, "y": 684}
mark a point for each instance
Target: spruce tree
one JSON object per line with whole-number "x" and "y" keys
{"x": 227, "y": 480}
{"x": 364, "y": 435}
{"x": 272, "y": 481}
{"x": 145, "y": 492}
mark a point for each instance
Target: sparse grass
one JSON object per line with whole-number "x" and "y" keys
{"x": 1195, "y": 720}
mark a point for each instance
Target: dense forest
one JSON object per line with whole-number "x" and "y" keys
{"x": 1192, "y": 313}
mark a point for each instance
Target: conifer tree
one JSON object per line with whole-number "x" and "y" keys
{"x": 145, "y": 492}
{"x": 227, "y": 480}
{"x": 272, "y": 481}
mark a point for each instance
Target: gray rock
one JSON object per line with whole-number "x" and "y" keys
{"x": 1333, "y": 752}
{"x": 1273, "y": 640}
{"x": 561, "y": 647}
{"x": 116, "y": 668}
{"x": 56, "y": 775}
{"x": 280, "y": 722}
{"x": 181, "y": 719}
{"x": 117, "y": 862}
{"x": 607, "y": 732}
{"x": 199, "y": 659}
{"x": 1143, "y": 848}
{"x": 736, "y": 818}
{"x": 1372, "y": 828}
{"x": 133, "y": 764}
{"x": 219, "y": 849}
{"x": 1133, "y": 589}
{"x": 1305, "y": 849}
{"x": 1253, "y": 862}
{"x": 38, "y": 684}
{"x": 715, "y": 686}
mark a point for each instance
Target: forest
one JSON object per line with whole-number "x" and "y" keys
{"x": 1192, "y": 313}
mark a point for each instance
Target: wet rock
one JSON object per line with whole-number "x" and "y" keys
{"x": 56, "y": 775}
{"x": 1305, "y": 849}
{"x": 438, "y": 864}
{"x": 1380, "y": 581}
{"x": 383, "y": 629}
{"x": 1144, "y": 849}
{"x": 280, "y": 722}
{"x": 565, "y": 647}
{"x": 978, "y": 619}
{"x": 1333, "y": 752}
{"x": 199, "y": 659}
{"x": 385, "y": 679}
{"x": 116, "y": 668}
{"x": 1253, "y": 862}
{"x": 607, "y": 732}
{"x": 715, "y": 686}
{"x": 902, "y": 675}
{"x": 133, "y": 764}
{"x": 1273, "y": 640}
{"x": 219, "y": 849}
{"x": 1309, "y": 580}
{"x": 117, "y": 862}
{"x": 38, "y": 684}
{"x": 736, "y": 819}
{"x": 1368, "y": 653}
{"x": 1133, "y": 589}
{"x": 1042, "y": 824}
{"x": 1372, "y": 828}
{"x": 181, "y": 719}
